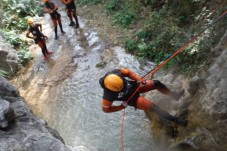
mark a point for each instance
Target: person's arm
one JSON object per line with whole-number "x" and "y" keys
{"x": 40, "y": 26}
{"x": 47, "y": 10}
{"x": 128, "y": 73}
{"x": 108, "y": 108}
{"x": 28, "y": 34}
{"x": 55, "y": 7}
{"x": 51, "y": 11}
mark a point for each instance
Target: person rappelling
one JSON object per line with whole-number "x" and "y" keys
{"x": 121, "y": 84}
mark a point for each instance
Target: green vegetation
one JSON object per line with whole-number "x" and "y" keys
{"x": 13, "y": 22}
{"x": 158, "y": 27}
{"x": 3, "y": 73}
{"x": 124, "y": 12}
{"x": 84, "y": 2}
{"x": 161, "y": 27}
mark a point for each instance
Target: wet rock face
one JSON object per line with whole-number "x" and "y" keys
{"x": 6, "y": 114}
{"x": 20, "y": 129}
{"x": 8, "y": 57}
{"x": 205, "y": 103}
{"x": 212, "y": 98}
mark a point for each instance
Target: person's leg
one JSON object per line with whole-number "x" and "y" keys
{"x": 143, "y": 104}
{"x": 163, "y": 89}
{"x": 45, "y": 48}
{"x": 147, "y": 87}
{"x": 146, "y": 105}
{"x": 55, "y": 28}
{"x": 60, "y": 24}
{"x": 76, "y": 18}
{"x": 42, "y": 45}
{"x": 164, "y": 114}
{"x": 69, "y": 14}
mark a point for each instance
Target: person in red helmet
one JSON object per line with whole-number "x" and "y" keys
{"x": 120, "y": 84}
{"x": 38, "y": 36}
{"x": 71, "y": 12}
{"x": 52, "y": 8}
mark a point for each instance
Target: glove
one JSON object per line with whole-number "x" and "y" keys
{"x": 125, "y": 104}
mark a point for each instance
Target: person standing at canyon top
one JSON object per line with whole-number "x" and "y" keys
{"x": 71, "y": 12}
{"x": 38, "y": 36}
{"x": 52, "y": 8}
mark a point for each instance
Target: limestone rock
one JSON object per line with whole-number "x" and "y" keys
{"x": 6, "y": 114}
{"x": 9, "y": 60}
{"x": 20, "y": 129}
{"x": 204, "y": 105}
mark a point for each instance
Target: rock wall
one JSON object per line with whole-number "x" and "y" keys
{"x": 204, "y": 105}
{"x": 9, "y": 60}
{"x": 20, "y": 130}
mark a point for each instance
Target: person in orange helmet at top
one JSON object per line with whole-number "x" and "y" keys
{"x": 120, "y": 84}
{"x": 38, "y": 36}
{"x": 71, "y": 12}
{"x": 52, "y": 8}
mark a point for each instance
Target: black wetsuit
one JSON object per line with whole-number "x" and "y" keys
{"x": 36, "y": 32}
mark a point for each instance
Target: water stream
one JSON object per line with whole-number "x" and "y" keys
{"x": 65, "y": 91}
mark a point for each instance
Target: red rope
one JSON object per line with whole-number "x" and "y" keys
{"x": 122, "y": 130}
{"x": 160, "y": 66}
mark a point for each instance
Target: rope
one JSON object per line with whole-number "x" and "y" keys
{"x": 122, "y": 130}
{"x": 151, "y": 72}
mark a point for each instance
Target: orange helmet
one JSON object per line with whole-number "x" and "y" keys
{"x": 114, "y": 82}
{"x": 46, "y": 1}
{"x": 30, "y": 20}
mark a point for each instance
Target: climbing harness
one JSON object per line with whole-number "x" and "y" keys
{"x": 160, "y": 65}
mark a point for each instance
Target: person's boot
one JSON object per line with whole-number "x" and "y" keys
{"x": 164, "y": 114}
{"x": 77, "y": 22}
{"x": 180, "y": 121}
{"x": 71, "y": 23}
{"x": 62, "y": 31}
{"x": 56, "y": 32}
{"x": 77, "y": 25}
{"x": 177, "y": 95}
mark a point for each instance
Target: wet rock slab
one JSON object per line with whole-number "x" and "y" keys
{"x": 20, "y": 129}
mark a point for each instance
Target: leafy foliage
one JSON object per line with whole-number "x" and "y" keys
{"x": 16, "y": 11}
{"x": 166, "y": 30}
{"x": 3, "y": 73}
{"x": 13, "y": 21}
{"x": 125, "y": 17}
{"x": 83, "y": 2}
{"x": 162, "y": 27}
{"x": 24, "y": 55}
{"x": 12, "y": 37}
{"x": 124, "y": 12}
{"x": 156, "y": 39}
